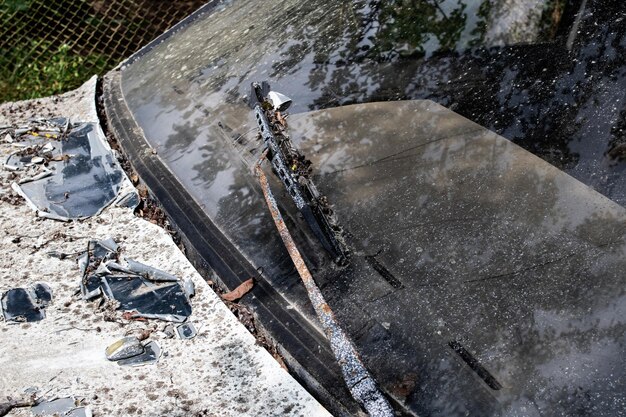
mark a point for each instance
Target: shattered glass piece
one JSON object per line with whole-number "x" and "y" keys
{"x": 84, "y": 176}
{"x": 52, "y": 216}
{"x": 66, "y": 407}
{"x": 129, "y": 200}
{"x": 109, "y": 244}
{"x": 44, "y": 174}
{"x": 124, "y": 348}
{"x": 102, "y": 269}
{"x": 114, "y": 266}
{"x": 92, "y": 265}
{"x": 186, "y": 331}
{"x": 189, "y": 287}
{"x": 90, "y": 287}
{"x": 43, "y": 292}
{"x": 147, "y": 291}
{"x": 80, "y": 412}
{"x": 26, "y": 304}
{"x": 151, "y": 355}
{"x": 169, "y": 331}
{"x": 19, "y": 191}
{"x": 48, "y": 147}
{"x": 61, "y": 122}
{"x": 149, "y": 272}
{"x": 165, "y": 301}
{"x": 83, "y": 262}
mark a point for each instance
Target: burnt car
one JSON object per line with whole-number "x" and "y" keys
{"x": 473, "y": 168}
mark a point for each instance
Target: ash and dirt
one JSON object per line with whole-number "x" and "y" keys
{"x": 78, "y": 105}
{"x": 222, "y": 371}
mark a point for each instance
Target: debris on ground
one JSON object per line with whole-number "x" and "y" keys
{"x": 169, "y": 331}
{"x": 186, "y": 331}
{"x": 130, "y": 351}
{"x": 26, "y": 304}
{"x": 150, "y": 356}
{"x": 66, "y": 170}
{"x": 240, "y": 291}
{"x": 10, "y": 404}
{"x": 124, "y": 348}
{"x": 66, "y": 407}
{"x": 140, "y": 290}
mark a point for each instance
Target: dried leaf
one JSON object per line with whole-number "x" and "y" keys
{"x": 59, "y": 158}
{"x": 240, "y": 291}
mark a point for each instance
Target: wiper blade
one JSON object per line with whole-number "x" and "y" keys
{"x": 294, "y": 170}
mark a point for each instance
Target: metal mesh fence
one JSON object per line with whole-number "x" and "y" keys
{"x": 48, "y": 46}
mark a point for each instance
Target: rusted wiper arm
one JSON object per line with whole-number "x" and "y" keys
{"x": 358, "y": 379}
{"x": 294, "y": 170}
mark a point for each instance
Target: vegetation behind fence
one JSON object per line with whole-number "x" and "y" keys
{"x": 51, "y": 46}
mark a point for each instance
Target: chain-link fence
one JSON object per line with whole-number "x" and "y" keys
{"x": 50, "y": 46}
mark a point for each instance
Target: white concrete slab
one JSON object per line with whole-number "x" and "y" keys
{"x": 221, "y": 372}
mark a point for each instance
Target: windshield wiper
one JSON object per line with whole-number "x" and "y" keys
{"x": 294, "y": 170}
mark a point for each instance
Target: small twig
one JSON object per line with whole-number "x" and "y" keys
{"x": 74, "y": 328}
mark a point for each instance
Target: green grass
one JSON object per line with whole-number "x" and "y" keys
{"x": 57, "y": 71}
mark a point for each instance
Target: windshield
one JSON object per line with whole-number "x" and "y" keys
{"x": 538, "y": 72}
{"x": 463, "y": 243}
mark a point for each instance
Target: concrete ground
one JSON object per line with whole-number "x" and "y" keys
{"x": 221, "y": 372}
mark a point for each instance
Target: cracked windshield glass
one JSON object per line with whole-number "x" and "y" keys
{"x": 473, "y": 154}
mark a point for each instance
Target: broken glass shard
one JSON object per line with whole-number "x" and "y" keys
{"x": 124, "y": 348}
{"x": 186, "y": 331}
{"x": 169, "y": 331}
{"x": 66, "y": 407}
{"x": 280, "y": 101}
{"x": 68, "y": 174}
{"x": 189, "y": 287}
{"x": 129, "y": 200}
{"x": 26, "y": 304}
{"x": 145, "y": 290}
{"x": 92, "y": 265}
{"x": 165, "y": 301}
{"x": 151, "y": 355}
{"x": 149, "y": 272}
{"x": 109, "y": 244}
